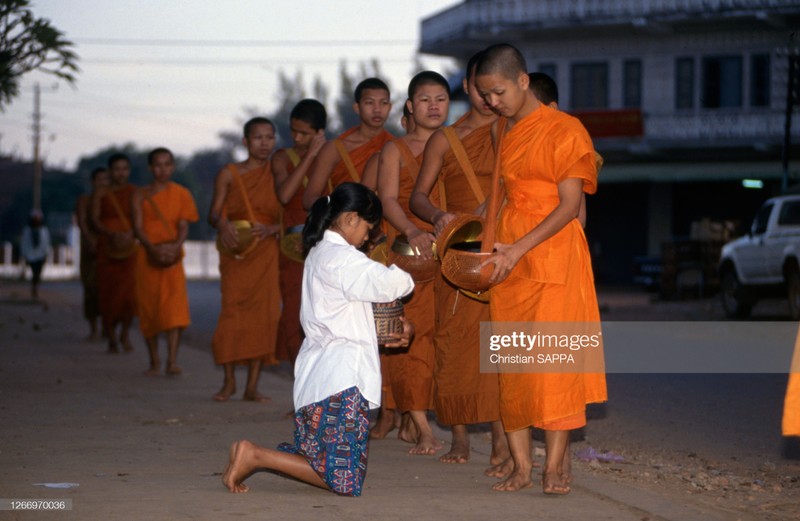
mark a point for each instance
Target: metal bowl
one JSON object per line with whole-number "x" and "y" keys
{"x": 292, "y": 243}
{"x": 244, "y": 234}
{"x": 401, "y": 254}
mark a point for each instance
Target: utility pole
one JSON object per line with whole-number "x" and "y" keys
{"x": 37, "y": 132}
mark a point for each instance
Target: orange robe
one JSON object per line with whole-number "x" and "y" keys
{"x": 251, "y": 301}
{"x": 116, "y": 279}
{"x": 553, "y": 282}
{"x": 791, "y": 406}
{"x": 411, "y": 371}
{"x": 463, "y": 394}
{"x": 359, "y": 156}
{"x": 161, "y": 298}
{"x": 290, "y": 332}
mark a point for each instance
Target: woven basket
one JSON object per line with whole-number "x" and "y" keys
{"x": 387, "y": 319}
{"x": 401, "y": 254}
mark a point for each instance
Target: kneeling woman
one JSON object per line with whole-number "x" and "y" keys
{"x": 337, "y": 373}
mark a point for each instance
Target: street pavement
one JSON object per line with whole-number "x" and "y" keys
{"x": 132, "y": 447}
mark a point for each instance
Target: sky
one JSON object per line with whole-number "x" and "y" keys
{"x": 175, "y": 73}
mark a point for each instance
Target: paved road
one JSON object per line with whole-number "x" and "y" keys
{"x": 695, "y": 447}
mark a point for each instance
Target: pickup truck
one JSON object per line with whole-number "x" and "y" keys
{"x": 765, "y": 261}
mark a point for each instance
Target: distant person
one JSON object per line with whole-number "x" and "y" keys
{"x": 251, "y": 302}
{"x": 337, "y": 374}
{"x": 88, "y": 261}
{"x": 343, "y": 158}
{"x": 116, "y": 253}
{"x": 35, "y": 248}
{"x": 290, "y": 167}
{"x": 542, "y": 267}
{"x": 162, "y": 212}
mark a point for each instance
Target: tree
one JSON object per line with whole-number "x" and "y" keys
{"x": 28, "y": 43}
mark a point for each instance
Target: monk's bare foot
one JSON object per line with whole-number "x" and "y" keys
{"x": 459, "y": 453}
{"x": 237, "y": 470}
{"x": 515, "y": 481}
{"x": 173, "y": 370}
{"x": 255, "y": 396}
{"x": 408, "y": 431}
{"x": 225, "y": 393}
{"x": 501, "y": 470}
{"x": 553, "y": 484}
{"x": 383, "y": 426}
{"x": 566, "y": 468}
{"x": 153, "y": 371}
{"x": 426, "y": 446}
{"x": 113, "y": 348}
{"x": 126, "y": 345}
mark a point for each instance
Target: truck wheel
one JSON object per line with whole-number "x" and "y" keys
{"x": 737, "y": 300}
{"x": 793, "y": 290}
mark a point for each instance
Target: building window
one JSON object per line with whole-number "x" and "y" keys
{"x": 549, "y": 69}
{"x": 632, "y": 83}
{"x": 722, "y": 82}
{"x": 684, "y": 83}
{"x": 589, "y": 86}
{"x": 759, "y": 80}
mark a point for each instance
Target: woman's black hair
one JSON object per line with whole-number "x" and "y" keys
{"x": 347, "y": 197}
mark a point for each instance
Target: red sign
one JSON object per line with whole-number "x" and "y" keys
{"x": 612, "y": 123}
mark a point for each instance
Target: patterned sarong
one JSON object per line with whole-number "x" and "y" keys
{"x": 333, "y": 436}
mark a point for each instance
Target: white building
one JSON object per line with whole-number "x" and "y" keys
{"x": 684, "y": 98}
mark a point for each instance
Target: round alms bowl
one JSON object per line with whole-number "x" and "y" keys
{"x": 403, "y": 255}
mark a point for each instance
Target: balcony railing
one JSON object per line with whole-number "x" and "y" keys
{"x": 707, "y": 127}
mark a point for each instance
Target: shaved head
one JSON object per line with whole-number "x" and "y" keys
{"x": 543, "y": 87}
{"x": 502, "y": 59}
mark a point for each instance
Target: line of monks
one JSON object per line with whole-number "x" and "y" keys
{"x": 424, "y": 179}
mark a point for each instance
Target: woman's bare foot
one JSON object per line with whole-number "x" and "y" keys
{"x": 458, "y": 453}
{"x": 517, "y": 480}
{"x": 501, "y": 470}
{"x": 225, "y": 393}
{"x": 426, "y": 446}
{"x": 553, "y": 484}
{"x": 255, "y": 396}
{"x": 238, "y": 468}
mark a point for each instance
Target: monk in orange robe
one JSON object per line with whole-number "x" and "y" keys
{"x": 412, "y": 370}
{"x": 162, "y": 213}
{"x": 542, "y": 265}
{"x": 463, "y": 395}
{"x": 88, "y": 261}
{"x": 116, "y": 249}
{"x": 290, "y": 167}
{"x": 791, "y": 406}
{"x": 248, "y": 321}
{"x": 343, "y": 158}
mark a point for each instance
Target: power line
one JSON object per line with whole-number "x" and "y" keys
{"x": 165, "y": 42}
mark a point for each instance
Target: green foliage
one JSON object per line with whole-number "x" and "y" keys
{"x": 28, "y": 43}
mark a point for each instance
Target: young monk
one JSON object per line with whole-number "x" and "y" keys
{"x": 388, "y": 416}
{"x": 542, "y": 266}
{"x": 343, "y": 158}
{"x": 290, "y": 166}
{"x": 463, "y": 395}
{"x": 248, "y": 321}
{"x": 162, "y": 212}
{"x": 116, "y": 248}
{"x": 88, "y": 262}
{"x": 412, "y": 371}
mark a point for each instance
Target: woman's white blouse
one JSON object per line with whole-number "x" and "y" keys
{"x": 341, "y": 346}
